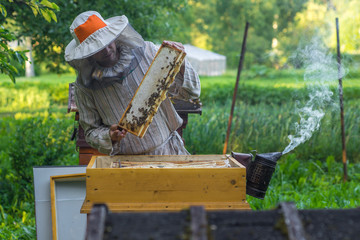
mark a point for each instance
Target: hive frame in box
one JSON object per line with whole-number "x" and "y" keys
{"x": 164, "y": 189}
{"x": 70, "y": 178}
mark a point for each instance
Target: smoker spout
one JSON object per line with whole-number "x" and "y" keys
{"x": 243, "y": 158}
{"x": 273, "y": 156}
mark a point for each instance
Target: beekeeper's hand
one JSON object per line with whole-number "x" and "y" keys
{"x": 116, "y": 133}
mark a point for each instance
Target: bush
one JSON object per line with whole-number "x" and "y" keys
{"x": 30, "y": 99}
{"x": 265, "y": 128}
{"x": 253, "y": 94}
{"x": 32, "y": 142}
{"x": 311, "y": 175}
{"x": 40, "y": 141}
{"x": 25, "y": 143}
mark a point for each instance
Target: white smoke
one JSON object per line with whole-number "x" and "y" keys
{"x": 321, "y": 69}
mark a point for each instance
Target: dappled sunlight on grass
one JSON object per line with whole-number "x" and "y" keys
{"x": 288, "y": 85}
{"x": 35, "y": 126}
{"x": 46, "y": 78}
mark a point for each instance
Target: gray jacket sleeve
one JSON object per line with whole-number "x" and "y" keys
{"x": 96, "y": 133}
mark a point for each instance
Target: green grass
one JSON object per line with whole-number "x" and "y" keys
{"x": 274, "y": 87}
{"x": 37, "y": 94}
{"x": 266, "y": 128}
{"x": 39, "y": 80}
{"x": 311, "y": 184}
{"x": 35, "y": 130}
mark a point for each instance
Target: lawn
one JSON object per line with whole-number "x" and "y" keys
{"x": 35, "y": 129}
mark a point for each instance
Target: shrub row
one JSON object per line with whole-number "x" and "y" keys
{"x": 215, "y": 89}
{"x": 30, "y": 142}
{"x": 266, "y": 128}
{"x": 32, "y": 96}
{"x": 256, "y": 94}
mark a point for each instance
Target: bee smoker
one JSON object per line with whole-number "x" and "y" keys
{"x": 258, "y": 172}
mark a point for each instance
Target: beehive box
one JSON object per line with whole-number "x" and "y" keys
{"x": 165, "y": 183}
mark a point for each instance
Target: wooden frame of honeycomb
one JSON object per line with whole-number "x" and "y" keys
{"x": 152, "y": 89}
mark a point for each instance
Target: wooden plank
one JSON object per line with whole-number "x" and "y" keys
{"x": 166, "y": 185}
{"x": 92, "y": 163}
{"x": 177, "y": 164}
{"x": 168, "y": 158}
{"x": 89, "y": 150}
{"x": 167, "y": 206}
{"x": 292, "y": 221}
{"x": 53, "y": 208}
{"x": 84, "y": 159}
{"x": 198, "y": 223}
{"x": 166, "y": 161}
{"x": 152, "y": 89}
{"x": 96, "y": 223}
{"x": 234, "y": 163}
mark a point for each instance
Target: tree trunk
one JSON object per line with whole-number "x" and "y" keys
{"x": 29, "y": 64}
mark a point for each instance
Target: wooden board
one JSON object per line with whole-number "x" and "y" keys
{"x": 164, "y": 189}
{"x": 177, "y": 164}
{"x": 167, "y": 206}
{"x": 106, "y": 161}
{"x": 152, "y": 89}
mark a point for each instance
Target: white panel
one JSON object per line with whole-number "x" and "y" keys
{"x": 42, "y": 197}
{"x": 70, "y": 196}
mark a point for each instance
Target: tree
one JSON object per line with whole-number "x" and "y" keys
{"x": 222, "y": 23}
{"x": 155, "y": 20}
{"x": 8, "y": 56}
{"x": 349, "y": 22}
{"x": 317, "y": 19}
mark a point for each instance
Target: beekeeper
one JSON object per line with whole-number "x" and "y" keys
{"x": 111, "y": 59}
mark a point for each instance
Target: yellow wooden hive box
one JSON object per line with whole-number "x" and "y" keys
{"x": 165, "y": 183}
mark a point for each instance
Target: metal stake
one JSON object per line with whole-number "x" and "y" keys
{"x": 243, "y": 48}
{"x": 341, "y": 102}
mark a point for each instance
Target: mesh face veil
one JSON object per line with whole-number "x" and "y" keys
{"x": 129, "y": 60}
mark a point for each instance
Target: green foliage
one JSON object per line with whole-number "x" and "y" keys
{"x": 277, "y": 27}
{"x": 37, "y": 95}
{"x": 8, "y": 56}
{"x": 265, "y": 128}
{"x": 26, "y": 142}
{"x": 155, "y": 20}
{"x": 30, "y": 99}
{"x": 310, "y": 176}
{"x": 38, "y": 142}
{"x": 317, "y": 19}
{"x": 17, "y": 194}
{"x": 44, "y": 8}
{"x": 263, "y": 85}
{"x": 18, "y": 223}
{"x": 223, "y": 23}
